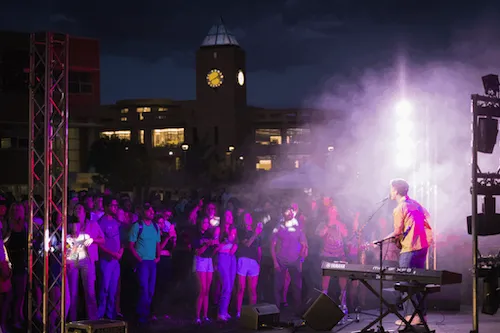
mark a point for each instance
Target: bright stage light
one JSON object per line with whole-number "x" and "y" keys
{"x": 404, "y": 159}
{"x": 405, "y": 143}
{"x": 404, "y": 108}
{"x": 404, "y": 127}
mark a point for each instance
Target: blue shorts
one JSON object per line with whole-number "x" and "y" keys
{"x": 248, "y": 267}
{"x": 203, "y": 265}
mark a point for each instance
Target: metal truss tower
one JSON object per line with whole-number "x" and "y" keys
{"x": 486, "y": 108}
{"x": 48, "y": 179}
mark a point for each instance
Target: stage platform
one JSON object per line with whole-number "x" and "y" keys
{"x": 441, "y": 322}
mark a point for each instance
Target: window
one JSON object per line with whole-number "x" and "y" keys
{"x": 298, "y": 135}
{"x": 141, "y": 137}
{"x": 74, "y": 149}
{"x": 162, "y": 117}
{"x": 162, "y": 109}
{"x": 122, "y": 135}
{"x": 80, "y": 83}
{"x": 265, "y": 136}
{"x": 264, "y": 163}
{"x": 297, "y": 161}
{"x": 168, "y": 137}
{"x": 124, "y": 110}
{"x": 142, "y": 110}
{"x": 123, "y": 119}
{"x": 178, "y": 165}
{"x": 6, "y": 143}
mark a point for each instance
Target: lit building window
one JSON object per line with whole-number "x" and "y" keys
{"x": 74, "y": 149}
{"x": 124, "y": 110}
{"x": 265, "y": 136}
{"x": 264, "y": 163}
{"x": 298, "y": 135}
{"x": 177, "y": 163}
{"x": 162, "y": 109}
{"x": 142, "y": 110}
{"x": 168, "y": 137}
{"x": 298, "y": 161}
{"x": 122, "y": 135}
{"x": 6, "y": 143}
{"x": 141, "y": 137}
{"x": 123, "y": 119}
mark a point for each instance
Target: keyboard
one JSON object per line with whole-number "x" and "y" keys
{"x": 396, "y": 274}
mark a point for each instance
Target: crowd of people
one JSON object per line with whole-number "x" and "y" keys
{"x": 240, "y": 251}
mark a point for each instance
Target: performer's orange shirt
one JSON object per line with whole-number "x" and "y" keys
{"x": 412, "y": 220}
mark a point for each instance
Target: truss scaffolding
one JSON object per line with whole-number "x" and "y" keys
{"x": 48, "y": 181}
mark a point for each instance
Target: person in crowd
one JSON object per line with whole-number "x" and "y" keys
{"x": 122, "y": 220}
{"x": 88, "y": 204}
{"x": 164, "y": 266}
{"x": 111, "y": 252}
{"x": 83, "y": 238}
{"x": 249, "y": 257}
{"x": 211, "y": 211}
{"x": 288, "y": 249}
{"x": 5, "y": 273}
{"x": 227, "y": 264}
{"x": 55, "y": 267}
{"x": 205, "y": 245}
{"x": 17, "y": 241}
{"x": 145, "y": 247}
{"x": 98, "y": 210}
{"x": 333, "y": 233}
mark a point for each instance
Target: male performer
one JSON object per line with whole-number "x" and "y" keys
{"x": 411, "y": 227}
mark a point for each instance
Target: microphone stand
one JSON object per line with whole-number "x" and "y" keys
{"x": 380, "y": 244}
{"x": 358, "y": 234}
{"x": 370, "y": 218}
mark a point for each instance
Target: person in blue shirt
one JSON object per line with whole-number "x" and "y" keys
{"x": 144, "y": 244}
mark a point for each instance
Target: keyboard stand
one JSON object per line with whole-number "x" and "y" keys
{"x": 393, "y": 308}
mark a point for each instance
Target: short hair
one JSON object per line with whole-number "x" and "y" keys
{"x": 401, "y": 186}
{"x": 107, "y": 200}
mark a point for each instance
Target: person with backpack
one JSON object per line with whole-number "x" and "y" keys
{"x": 144, "y": 244}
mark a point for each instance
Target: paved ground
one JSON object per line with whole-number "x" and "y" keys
{"x": 444, "y": 322}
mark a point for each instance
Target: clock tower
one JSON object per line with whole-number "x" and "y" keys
{"x": 220, "y": 88}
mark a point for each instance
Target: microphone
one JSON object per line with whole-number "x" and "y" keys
{"x": 383, "y": 200}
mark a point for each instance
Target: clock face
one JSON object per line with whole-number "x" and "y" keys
{"x": 241, "y": 78}
{"x": 215, "y": 78}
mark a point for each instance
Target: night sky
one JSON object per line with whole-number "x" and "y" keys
{"x": 293, "y": 47}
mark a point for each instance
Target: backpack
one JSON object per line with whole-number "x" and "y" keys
{"x": 141, "y": 228}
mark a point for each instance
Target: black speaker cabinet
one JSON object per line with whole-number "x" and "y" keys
{"x": 254, "y": 317}
{"x": 323, "y": 314}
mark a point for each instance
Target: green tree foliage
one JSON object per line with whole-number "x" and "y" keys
{"x": 121, "y": 164}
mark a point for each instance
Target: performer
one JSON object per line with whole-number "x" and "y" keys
{"x": 411, "y": 227}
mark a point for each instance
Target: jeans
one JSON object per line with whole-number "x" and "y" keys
{"x": 414, "y": 259}
{"x": 227, "y": 273}
{"x": 146, "y": 274}
{"x": 110, "y": 275}
{"x": 84, "y": 269}
{"x": 295, "y": 270}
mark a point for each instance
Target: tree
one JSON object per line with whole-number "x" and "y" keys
{"x": 121, "y": 164}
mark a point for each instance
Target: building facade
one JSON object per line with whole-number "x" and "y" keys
{"x": 237, "y": 137}
{"x": 84, "y": 107}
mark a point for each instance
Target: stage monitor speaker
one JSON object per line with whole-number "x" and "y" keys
{"x": 255, "y": 317}
{"x": 323, "y": 314}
